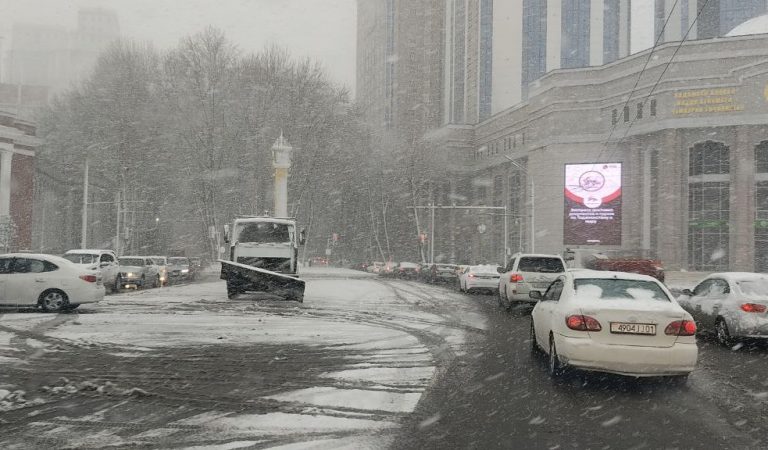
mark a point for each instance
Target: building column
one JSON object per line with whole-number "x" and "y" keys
{"x": 507, "y": 55}
{"x": 554, "y": 34}
{"x": 6, "y": 158}
{"x": 672, "y": 202}
{"x": 742, "y": 203}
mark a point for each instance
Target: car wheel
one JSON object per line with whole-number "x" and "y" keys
{"x": 233, "y": 290}
{"x": 118, "y": 284}
{"x": 723, "y": 335}
{"x": 679, "y": 380}
{"x": 555, "y": 366}
{"x": 143, "y": 284}
{"x": 53, "y": 300}
{"x": 535, "y": 350}
{"x": 157, "y": 281}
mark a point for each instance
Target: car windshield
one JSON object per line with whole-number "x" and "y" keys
{"x": 263, "y": 232}
{"x": 616, "y": 288}
{"x": 131, "y": 262}
{"x": 82, "y": 258}
{"x": 541, "y": 265}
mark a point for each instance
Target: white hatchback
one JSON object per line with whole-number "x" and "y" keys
{"x": 50, "y": 282}
{"x": 615, "y": 322}
{"x": 485, "y": 277}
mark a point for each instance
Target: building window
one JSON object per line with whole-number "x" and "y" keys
{"x": 709, "y": 158}
{"x": 534, "y": 42}
{"x": 659, "y": 16}
{"x": 459, "y": 56}
{"x": 640, "y": 110}
{"x": 611, "y": 21}
{"x": 761, "y": 157}
{"x": 575, "y": 16}
{"x": 708, "y": 206}
{"x": 708, "y": 216}
{"x": 626, "y": 114}
{"x": 486, "y": 58}
{"x": 653, "y": 107}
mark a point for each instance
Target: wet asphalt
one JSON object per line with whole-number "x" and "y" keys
{"x": 499, "y": 395}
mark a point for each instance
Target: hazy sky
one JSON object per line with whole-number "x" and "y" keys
{"x": 322, "y": 29}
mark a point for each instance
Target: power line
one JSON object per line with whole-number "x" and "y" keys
{"x": 658, "y": 81}
{"x": 639, "y": 77}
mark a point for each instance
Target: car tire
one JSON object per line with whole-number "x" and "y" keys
{"x": 118, "y": 284}
{"x": 143, "y": 284}
{"x": 535, "y": 350}
{"x": 158, "y": 283}
{"x": 554, "y": 366}
{"x": 679, "y": 380}
{"x": 233, "y": 290}
{"x": 722, "y": 333}
{"x": 53, "y": 300}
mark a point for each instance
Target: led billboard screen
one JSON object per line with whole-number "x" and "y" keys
{"x": 592, "y": 204}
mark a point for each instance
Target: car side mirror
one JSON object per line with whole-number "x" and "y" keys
{"x": 687, "y": 292}
{"x": 500, "y": 269}
{"x": 536, "y": 295}
{"x": 302, "y": 237}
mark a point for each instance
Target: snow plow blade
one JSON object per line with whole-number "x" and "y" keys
{"x": 243, "y": 278}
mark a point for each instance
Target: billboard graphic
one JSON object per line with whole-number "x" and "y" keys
{"x": 592, "y": 204}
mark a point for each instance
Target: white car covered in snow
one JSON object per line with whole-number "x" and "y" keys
{"x": 615, "y": 322}
{"x": 50, "y": 282}
{"x": 732, "y": 304}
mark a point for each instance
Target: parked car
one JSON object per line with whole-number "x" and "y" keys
{"x": 47, "y": 281}
{"x": 407, "y": 270}
{"x": 375, "y": 267}
{"x": 441, "y": 273}
{"x": 526, "y": 272}
{"x": 388, "y": 269}
{"x": 162, "y": 268}
{"x": 733, "y": 305}
{"x": 179, "y": 269}
{"x": 102, "y": 261}
{"x": 138, "y": 271}
{"x": 615, "y": 322}
{"x": 483, "y": 277}
{"x": 319, "y": 261}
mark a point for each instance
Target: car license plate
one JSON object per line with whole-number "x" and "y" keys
{"x": 633, "y": 328}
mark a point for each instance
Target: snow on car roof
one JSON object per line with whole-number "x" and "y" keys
{"x": 52, "y": 258}
{"x": 604, "y": 274}
{"x": 86, "y": 251}
{"x": 739, "y": 276}
{"x": 265, "y": 219}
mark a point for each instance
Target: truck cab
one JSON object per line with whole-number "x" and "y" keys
{"x": 263, "y": 256}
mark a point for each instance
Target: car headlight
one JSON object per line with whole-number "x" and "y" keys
{"x": 184, "y": 270}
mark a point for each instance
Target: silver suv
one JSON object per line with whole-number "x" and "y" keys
{"x": 525, "y": 273}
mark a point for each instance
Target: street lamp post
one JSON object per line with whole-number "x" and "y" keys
{"x": 533, "y": 197}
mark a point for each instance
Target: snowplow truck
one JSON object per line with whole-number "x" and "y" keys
{"x": 263, "y": 257}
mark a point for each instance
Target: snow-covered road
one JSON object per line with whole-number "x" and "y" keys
{"x": 185, "y": 367}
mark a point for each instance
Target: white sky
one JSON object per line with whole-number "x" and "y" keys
{"x": 322, "y": 29}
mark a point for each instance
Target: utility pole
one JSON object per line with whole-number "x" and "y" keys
{"x": 117, "y": 231}
{"x": 84, "y": 227}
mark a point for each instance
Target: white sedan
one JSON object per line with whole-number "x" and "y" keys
{"x": 485, "y": 277}
{"x": 614, "y": 322}
{"x": 50, "y": 282}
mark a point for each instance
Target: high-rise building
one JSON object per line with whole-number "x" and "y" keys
{"x": 496, "y": 50}
{"x": 56, "y": 57}
{"x": 399, "y": 66}
{"x": 715, "y": 17}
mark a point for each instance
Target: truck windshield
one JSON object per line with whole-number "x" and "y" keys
{"x": 263, "y": 232}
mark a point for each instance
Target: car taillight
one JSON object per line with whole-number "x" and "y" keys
{"x": 681, "y": 328}
{"x": 471, "y": 275}
{"x": 753, "y": 308}
{"x": 88, "y": 278}
{"x": 580, "y": 322}
{"x": 515, "y": 278}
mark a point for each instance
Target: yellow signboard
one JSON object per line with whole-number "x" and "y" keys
{"x": 717, "y": 100}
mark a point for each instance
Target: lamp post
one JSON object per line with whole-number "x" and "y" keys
{"x": 533, "y": 197}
